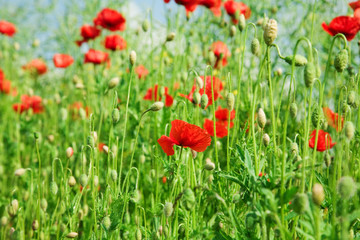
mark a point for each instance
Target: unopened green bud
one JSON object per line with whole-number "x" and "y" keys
{"x": 346, "y": 187}
{"x": 309, "y": 74}
{"x": 53, "y": 188}
{"x": 351, "y": 98}
{"x": 71, "y": 181}
{"x": 349, "y": 130}
{"x": 266, "y": 139}
{"x": 36, "y": 135}
{"x": 35, "y": 225}
{"x": 90, "y": 141}
{"x": 138, "y": 234}
{"x": 293, "y": 110}
{"x": 196, "y": 98}
{"x": 270, "y": 31}
{"x": 242, "y": 22}
{"x": 145, "y": 25}
{"x": 115, "y": 115}
{"x": 156, "y": 106}
{"x": 204, "y": 101}
{"x": 113, "y": 175}
{"x": 294, "y": 148}
{"x": 255, "y": 47}
{"x": 299, "y": 60}
{"x": 230, "y": 101}
{"x": 300, "y": 203}
{"x": 170, "y": 37}
{"x": 261, "y": 118}
{"x": 43, "y": 204}
{"x": 83, "y": 180}
{"x": 199, "y": 82}
{"x": 168, "y": 209}
{"x": 72, "y": 235}
{"x": 132, "y": 58}
{"x": 209, "y": 165}
{"x": 232, "y": 31}
{"x": 318, "y": 194}
{"x": 106, "y": 222}
{"x": 327, "y": 159}
{"x": 341, "y": 60}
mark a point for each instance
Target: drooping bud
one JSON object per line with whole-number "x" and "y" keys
{"x": 43, "y": 204}
{"x": 299, "y": 60}
{"x": 300, "y": 203}
{"x": 156, "y": 106}
{"x": 170, "y": 37}
{"x": 188, "y": 199}
{"x": 232, "y": 31}
{"x": 96, "y": 180}
{"x": 113, "y": 82}
{"x": 346, "y": 187}
{"x": 209, "y": 165}
{"x": 53, "y": 188}
{"x": 36, "y": 135}
{"x": 132, "y": 58}
{"x": 71, "y": 181}
{"x": 72, "y": 235}
{"x": 106, "y": 222}
{"x": 113, "y": 175}
{"x": 293, "y": 110}
{"x": 13, "y": 208}
{"x": 242, "y": 22}
{"x": 294, "y": 148}
{"x": 230, "y": 101}
{"x": 83, "y": 180}
{"x": 19, "y": 172}
{"x": 315, "y": 116}
{"x": 255, "y": 47}
{"x": 115, "y": 115}
{"x": 168, "y": 209}
{"x": 35, "y": 225}
{"x": 138, "y": 234}
{"x": 199, "y": 82}
{"x": 196, "y": 98}
{"x": 69, "y": 152}
{"x": 4, "y": 221}
{"x": 351, "y": 98}
{"x": 309, "y": 74}
{"x": 341, "y": 60}
{"x": 318, "y": 194}
{"x": 270, "y": 31}
{"x": 261, "y": 118}
{"x": 145, "y": 25}
{"x": 327, "y": 159}
{"x": 204, "y": 101}
{"x": 266, "y": 139}
{"x": 349, "y": 130}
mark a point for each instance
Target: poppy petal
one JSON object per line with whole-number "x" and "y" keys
{"x": 167, "y": 145}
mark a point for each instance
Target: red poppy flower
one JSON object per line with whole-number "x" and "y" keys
{"x": 221, "y": 128}
{"x": 5, "y": 86}
{"x": 234, "y": 9}
{"x": 110, "y": 19}
{"x": 346, "y": 25}
{"x": 7, "y": 28}
{"x": 185, "y": 135}
{"x": 115, "y": 42}
{"x": 213, "y": 5}
{"x": 222, "y": 115}
{"x": 101, "y": 145}
{"x": 190, "y": 5}
{"x": 221, "y": 52}
{"x": 88, "y": 32}
{"x": 152, "y": 95}
{"x": 166, "y": 1}
{"x": 355, "y": 5}
{"x": 324, "y": 141}
{"x": 96, "y": 57}
{"x": 2, "y": 75}
{"x": 141, "y": 71}
{"x": 333, "y": 118}
{"x": 218, "y": 86}
{"x": 75, "y": 107}
{"x": 27, "y": 102}
{"x": 62, "y": 60}
{"x": 36, "y": 66}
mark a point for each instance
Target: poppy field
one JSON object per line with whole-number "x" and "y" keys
{"x": 222, "y": 120}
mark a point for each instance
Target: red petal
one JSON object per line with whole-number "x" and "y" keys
{"x": 324, "y": 141}
{"x": 221, "y": 130}
{"x": 167, "y": 145}
{"x": 195, "y": 138}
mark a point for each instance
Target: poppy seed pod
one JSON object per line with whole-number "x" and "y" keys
{"x": 230, "y": 101}
{"x": 71, "y": 181}
{"x": 113, "y": 175}
{"x": 188, "y": 199}
{"x": 69, "y": 152}
{"x": 232, "y": 31}
{"x": 145, "y": 25}
{"x": 242, "y": 22}
{"x": 106, "y": 222}
{"x": 53, "y": 188}
{"x": 115, "y": 115}
{"x": 300, "y": 203}
{"x": 113, "y": 82}
{"x": 19, "y": 172}
{"x": 199, "y": 82}
{"x": 132, "y": 58}
{"x": 318, "y": 194}
{"x": 293, "y": 110}
{"x": 351, "y": 98}
{"x": 346, "y": 187}
{"x": 341, "y": 60}
{"x": 196, "y": 98}
{"x": 35, "y": 225}
{"x": 266, "y": 139}
{"x": 43, "y": 204}
{"x": 170, "y": 37}
{"x": 255, "y": 47}
{"x": 168, "y": 209}
{"x": 204, "y": 101}
{"x": 309, "y": 74}
{"x": 349, "y": 130}
{"x": 270, "y": 31}
{"x": 299, "y": 60}
{"x": 209, "y": 165}
{"x": 83, "y": 180}
{"x": 72, "y": 235}
{"x": 156, "y": 106}
{"x": 261, "y": 118}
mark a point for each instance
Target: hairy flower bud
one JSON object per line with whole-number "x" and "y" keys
{"x": 294, "y": 148}
{"x": 255, "y": 47}
{"x": 299, "y": 60}
{"x": 230, "y": 101}
{"x": 138, "y": 234}
{"x": 113, "y": 82}
{"x": 309, "y": 74}
{"x": 261, "y": 118}
{"x": 346, "y": 187}
{"x": 83, "y": 180}
{"x": 35, "y": 225}
{"x": 341, "y": 60}
{"x": 196, "y": 98}
{"x": 113, "y": 175}
{"x": 318, "y": 194}
{"x": 168, "y": 209}
{"x": 266, "y": 139}
{"x": 20, "y": 171}
{"x": 232, "y": 31}
{"x": 349, "y": 130}
{"x": 270, "y": 31}
{"x": 69, "y": 152}
{"x": 315, "y": 116}
{"x": 209, "y": 165}
{"x": 132, "y": 58}
{"x": 43, "y": 204}
{"x": 351, "y": 98}
{"x": 90, "y": 141}
{"x": 170, "y": 37}
{"x": 188, "y": 199}
{"x": 13, "y": 207}
{"x": 156, "y": 106}
{"x": 145, "y": 25}
{"x": 53, "y": 188}
{"x": 106, "y": 222}
{"x": 72, "y": 235}
{"x": 327, "y": 159}
{"x": 204, "y": 101}
{"x": 300, "y": 203}
{"x": 242, "y": 22}
{"x": 293, "y": 110}
{"x": 115, "y": 115}
{"x": 199, "y": 82}
{"x": 71, "y": 181}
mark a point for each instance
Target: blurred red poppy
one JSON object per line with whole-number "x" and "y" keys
{"x": 213, "y": 5}
{"x": 222, "y": 115}
{"x": 110, "y": 19}
{"x": 234, "y": 9}
{"x": 221, "y": 52}
{"x": 75, "y": 107}
{"x": 190, "y": 5}
{"x": 141, "y": 71}
{"x": 36, "y": 66}
{"x": 27, "y": 102}
{"x": 346, "y": 25}
{"x": 115, "y": 42}
{"x": 96, "y": 57}
{"x": 221, "y": 128}
{"x": 218, "y": 86}
{"x": 5, "y": 86}
{"x": 333, "y": 118}
{"x": 152, "y": 95}
{"x": 324, "y": 141}
{"x": 101, "y": 145}
{"x": 88, "y": 32}
{"x": 355, "y": 5}
{"x": 7, "y": 28}
{"x": 166, "y": 1}
{"x": 185, "y": 135}
{"x": 2, "y": 75}
{"x": 62, "y": 60}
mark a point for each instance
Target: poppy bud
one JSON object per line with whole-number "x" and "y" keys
{"x": 294, "y": 148}
{"x": 4, "y": 221}
{"x": 43, "y": 204}
{"x": 327, "y": 159}
{"x": 83, "y": 180}
{"x": 193, "y": 153}
{"x": 113, "y": 82}
{"x": 106, "y": 222}
{"x": 236, "y": 198}
{"x": 315, "y": 116}
{"x": 132, "y": 58}
{"x": 72, "y": 235}
{"x": 71, "y": 181}
{"x": 69, "y": 152}
{"x": 232, "y": 31}
{"x": 349, "y": 130}
{"x": 19, "y": 172}
{"x": 96, "y": 181}
{"x": 105, "y": 149}
{"x": 255, "y": 47}
{"x": 142, "y": 158}
{"x": 299, "y": 60}
{"x": 94, "y": 135}
{"x": 113, "y": 175}
{"x": 270, "y": 31}
{"x": 204, "y": 101}
{"x": 300, "y": 203}
{"x": 318, "y": 194}
{"x": 13, "y": 208}
{"x": 209, "y": 165}
{"x": 230, "y": 101}
{"x": 199, "y": 82}
{"x": 266, "y": 139}
{"x": 35, "y": 225}
{"x": 53, "y": 188}
{"x": 168, "y": 209}
{"x": 188, "y": 199}
{"x": 346, "y": 187}
{"x": 138, "y": 234}
{"x": 345, "y": 109}
{"x": 115, "y": 115}
{"x": 210, "y": 178}
{"x": 309, "y": 74}
{"x": 196, "y": 98}
{"x": 90, "y": 141}
{"x": 145, "y": 25}
{"x": 250, "y": 220}
{"x": 293, "y": 110}
{"x": 36, "y": 135}
{"x": 170, "y": 37}
{"x": 51, "y": 138}
{"x": 351, "y": 98}
{"x": 157, "y": 106}
{"x": 341, "y": 60}
{"x": 261, "y": 118}
{"x": 242, "y": 22}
